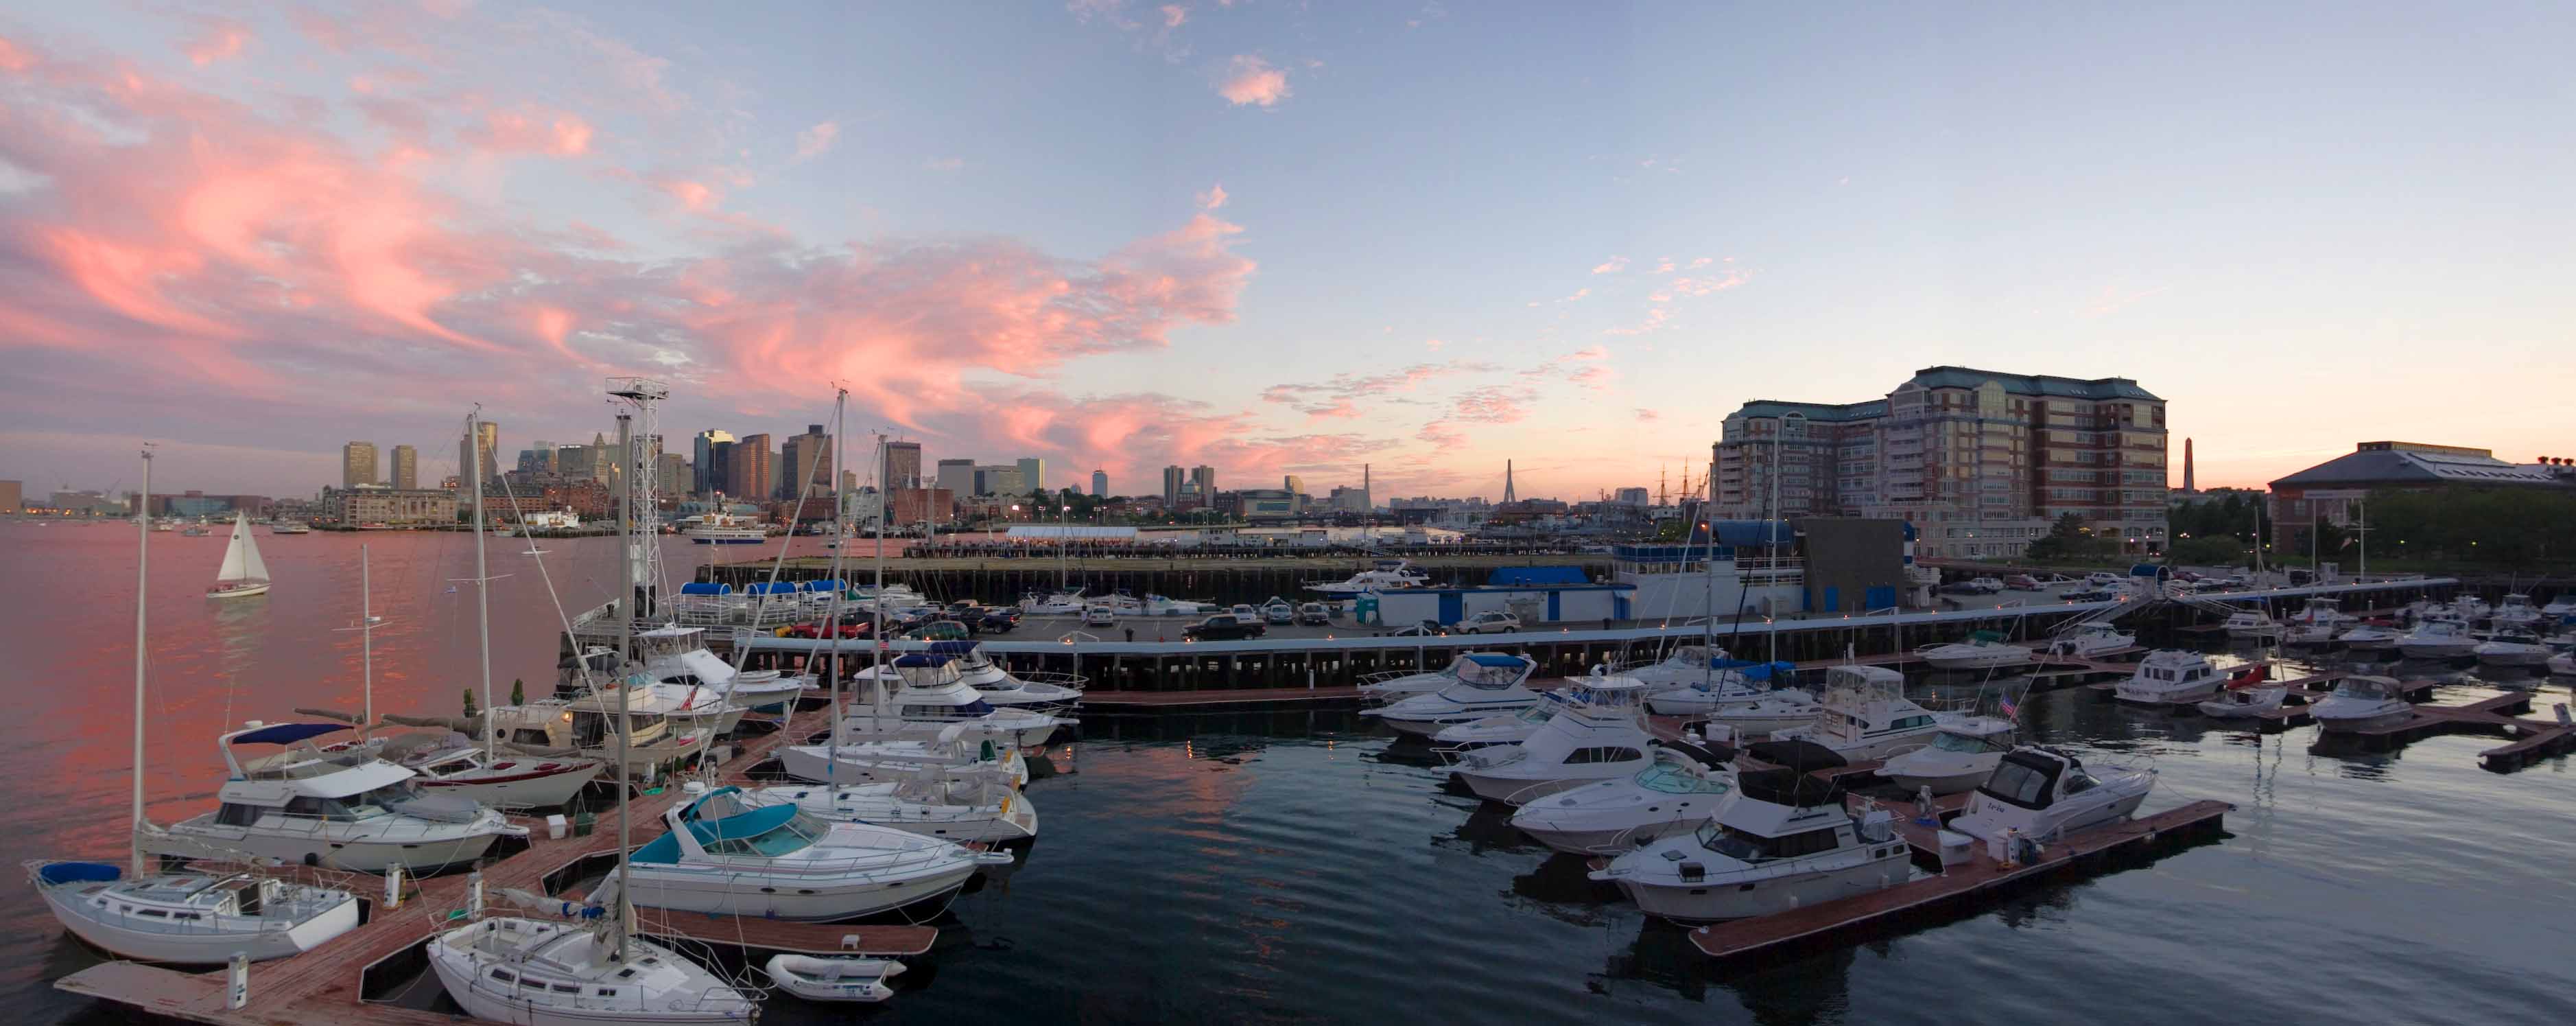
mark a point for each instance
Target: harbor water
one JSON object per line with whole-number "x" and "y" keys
{"x": 1300, "y": 866}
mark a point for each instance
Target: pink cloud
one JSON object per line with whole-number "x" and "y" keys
{"x": 1174, "y": 15}
{"x": 1645, "y": 414}
{"x": 1597, "y": 378}
{"x": 1613, "y": 265}
{"x": 1251, "y": 80}
{"x": 223, "y": 40}
{"x": 1329, "y": 398}
{"x": 1699, "y": 263}
{"x": 1440, "y": 435}
{"x": 527, "y": 129}
{"x": 1213, "y": 198}
{"x": 1589, "y": 353}
{"x": 1492, "y": 404}
{"x": 15, "y": 58}
{"x": 813, "y": 142}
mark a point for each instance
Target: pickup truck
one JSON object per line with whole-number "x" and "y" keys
{"x": 1224, "y": 627}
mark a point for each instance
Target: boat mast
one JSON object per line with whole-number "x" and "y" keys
{"x": 367, "y": 645}
{"x": 640, "y": 392}
{"x": 482, "y": 573}
{"x": 832, "y": 610}
{"x": 142, "y": 582}
{"x": 1708, "y": 595}
{"x": 877, "y": 660}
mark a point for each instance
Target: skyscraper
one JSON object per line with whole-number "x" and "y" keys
{"x": 545, "y": 452}
{"x": 957, "y": 476}
{"x": 717, "y": 474}
{"x": 357, "y": 464}
{"x": 406, "y": 467}
{"x": 709, "y": 471}
{"x": 1203, "y": 481}
{"x": 1100, "y": 484}
{"x": 478, "y": 454}
{"x": 1032, "y": 473}
{"x": 754, "y": 474}
{"x": 903, "y": 466}
{"x": 805, "y": 459}
{"x": 1171, "y": 486}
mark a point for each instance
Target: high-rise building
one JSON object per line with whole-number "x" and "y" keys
{"x": 709, "y": 471}
{"x": 545, "y": 453}
{"x": 1630, "y": 497}
{"x": 999, "y": 479}
{"x": 1100, "y": 484}
{"x": 717, "y": 475}
{"x": 1171, "y": 486}
{"x": 1203, "y": 481}
{"x": 754, "y": 473}
{"x": 479, "y": 454}
{"x": 406, "y": 467}
{"x": 903, "y": 466}
{"x": 357, "y": 464}
{"x": 1032, "y": 473}
{"x": 12, "y": 496}
{"x": 957, "y": 477}
{"x": 803, "y": 460}
{"x": 668, "y": 469}
{"x": 1982, "y": 463}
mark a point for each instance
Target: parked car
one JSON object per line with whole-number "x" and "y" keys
{"x": 1279, "y": 613}
{"x": 1244, "y": 611}
{"x": 1225, "y": 627}
{"x": 815, "y": 630}
{"x": 2091, "y": 595}
{"x": 1099, "y": 616}
{"x": 999, "y": 621}
{"x": 1987, "y": 585}
{"x": 2021, "y": 582}
{"x": 1315, "y": 614}
{"x": 2101, "y": 579}
{"x": 1425, "y": 629}
{"x": 1494, "y": 622}
{"x": 1964, "y": 588}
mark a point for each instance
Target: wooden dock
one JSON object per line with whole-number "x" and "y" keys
{"x": 328, "y": 985}
{"x": 1979, "y": 877}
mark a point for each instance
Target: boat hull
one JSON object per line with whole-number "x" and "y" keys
{"x": 529, "y": 791}
{"x": 239, "y": 591}
{"x": 2538, "y": 657}
{"x": 421, "y": 857}
{"x": 2199, "y": 692}
{"x": 2437, "y": 649}
{"x": 199, "y": 949}
{"x": 1720, "y": 900}
{"x": 722, "y": 892}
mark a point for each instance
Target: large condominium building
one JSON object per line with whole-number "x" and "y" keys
{"x": 406, "y": 468}
{"x": 804, "y": 460}
{"x": 1983, "y": 463}
{"x": 753, "y": 468}
{"x": 956, "y": 476}
{"x": 357, "y": 464}
{"x": 903, "y": 466}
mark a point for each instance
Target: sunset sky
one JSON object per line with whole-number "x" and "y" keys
{"x": 1266, "y": 235}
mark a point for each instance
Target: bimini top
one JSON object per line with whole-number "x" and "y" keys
{"x": 1495, "y": 659}
{"x": 822, "y": 585}
{"x": 704, "y": 588}
{"x": 951, "y": 648}
{"x": 1789, "y": 787}
{"x": 284, "y": 733}
{"x": 916, "y": 660}
{"x": 771, "y": 588}
{"x": 708, "y": 832}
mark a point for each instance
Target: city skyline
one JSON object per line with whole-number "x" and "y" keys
{"x": 1228, "y": 241}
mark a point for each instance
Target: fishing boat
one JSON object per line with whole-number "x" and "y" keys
{"x": 1866, "y": 715}
{"x": 1596, "y": 738}
{"x": 833, "y": 979}
{"x": 2169, "y": 676}
{"x": 723, "y": 856}
{"x": 1679, "y": 790}
{"x": 1984, "y": 650}
{"x": 1488, "y": 684}
{"x": 1785, "y": 840}
{"x": 344, "y": 810}
{"x": 2041, "y": 793}
{"x": 2362, "y": 703}
{"x": 1961, "y": 755}
{"x": 243, "y": 573}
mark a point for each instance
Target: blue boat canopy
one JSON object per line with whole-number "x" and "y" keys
{"x": 952, "y": 648}
{"x": 1768, "y": 671}
{"x": 286, "y": 733}
{"x": 1494, "y": 659}
{"x": 919, "y": 659}
{"x": 1537, "y": 575}
{"x": 822, "y": 585}
{"x": 78, "y": 872}
{"x": 704, "y": 588}
{"x": 770, "y": 588}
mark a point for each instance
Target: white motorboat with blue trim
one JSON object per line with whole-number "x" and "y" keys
{"x": 1678, "y": 791}
{"x": 1488, "y": 684}
{"x": 724, "y": 856}
{"x": 1783, "y": 840}
{"x": 342, "y": 810}
{"x": 1034, "y": 692}
{"x": 920, "y": 694}
{"x": 948, "y": 806}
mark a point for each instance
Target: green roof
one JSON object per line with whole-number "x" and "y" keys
{"x": 2034, "y": 384}
{"x": 1814, "y": 411}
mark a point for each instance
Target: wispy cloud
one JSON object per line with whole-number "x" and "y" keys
{"x": 1613, "y": 265}
{"x": 814, "y": 142}
{"x": 1213, "y": 198}
{"x": 1250, "y": 80}
{"x": 943, "y": 164}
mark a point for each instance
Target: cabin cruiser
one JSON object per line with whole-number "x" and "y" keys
{"x": 548, "y": 973}
{"x": 1157, "y": 605}
{"x": 1960, "y": 756}
{"x": 2251, "y": 623}
{"x": 952, "y": 807}
{"x": 1388, "y": 688}
{"x": 2559, "y": 608}
{"x": 2438, "y": 639}
{"x": 587, "y": 728}
{"x": 2512, "y": 646}
{"x": 1386, "y": 575}
{"x": 1866, "y": 715}
{"x": 2246, "y": 695}
{"x": 679, "y": 655}
{"x": 453, "y": 765}
{"x": 1488, "y": 684}
{"x": 2090, "y": 639}
{"x": 1983, "y": 650}
{"x": 2470, "y": 608}
{"x": 1055, "y": 603}
{"x": 1687, "y": 665}
{"x": 957, "y": 750}
{"x": 725, "y": 857}
{"x": 1510, "y": 729}
{"x": 1735, "y": 689}
{"x": 1680, "y": 789}
{"x": 2362, "y": 703}
{"x": 348, "y": 810}
{"x": 1597, "y": 738}
{"x": 2169, "y": 676}
{"x": 2325, "y": 610}
{"x": 1784, "y": 840}
{"x": 2515, "y": 611}
{"x": 2040, "y": 793}
{"x": 192, "y": 918}
{"x": 920, "y": 694}
{"x": 1036, "y": 692}
{"x": 2372, "y": 637}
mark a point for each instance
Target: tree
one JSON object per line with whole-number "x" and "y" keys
{"x": 470, "y": 711}
{"x": 518, "y": 691}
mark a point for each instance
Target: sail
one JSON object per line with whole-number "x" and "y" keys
{"x": 241, "y": 555}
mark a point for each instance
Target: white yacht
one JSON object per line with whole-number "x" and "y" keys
{"x": 1597, "y": 738}
{"x": 2041, "y": 793}
{"x": 1508, "y": 729}
{"x": 2512, "y": 646}
{"x": 2089, "y": 639}
{"x": 675, "y": 654}
{"x": 1867, "y": 715}
{"x": 588, "y": 727}
{"x": 2470, "y": 608}
{"x": 452, "y": 765}
{"x": 1735, "y": 690}
{"x": 953, "y": 751}
{"x": 191, "y": 918}
{"x": 1680, "y": 789}
{"x": 970, "y": 807}
{"x": 1687, "y": 665}
{"x": 532, "y": 972}
{"x": 2324, "y": 610}
{"x": 2169, "y": 676}
{"x": 2370, "y": 637}
{"x": 1034, "y": 692}
{"x": 347, "y": 810}
{"x": 1784, "y": 840}
{"x": 2515, "y": 611}
{"x": 723, "y": 529}
{"x": 2362, "y": 703}
{"x": 2559, "y": 608}
{"x": 1386, "y": 575}
{"x": 2564, "y": 664}
{"x": 1055, "y": 603}
{"x": 921, "y": 694}
{"x": 2251, "y": 623}
{"x": 1770, "y": 712}
{"x": 2438, "y": 639}
{"x": 1488, "y": 684}
{"x": 2244, "y": 701}
{"x": 1984, "y": 650}
{"x": 1396, "y": 686}
{"x": 1157, "y": 605}
{"x": 722, "y": 856}
{"x": 1961, "y": 755}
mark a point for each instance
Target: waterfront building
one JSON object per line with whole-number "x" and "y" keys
{"x": 13, "y": 496}
{"x": 957, "y": 476}
{"x": 1982, "y": 462}
{"x": 479, "y": 453}
{"x": 393, "y": 507}
{"x": 903, "y": 466}
{"x": 2331, "y": 491}
{"x": 705, "y": 461}
{"x": 357, "y": 464}
{"x": 754, "y": 470}
{"x": 1032, "y": 473}
{"x": 406, "y": 467}
{"x": 922, "y": 505}
{"x": 1100, "y": 484}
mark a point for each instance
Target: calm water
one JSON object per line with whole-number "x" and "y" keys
{"x": 1297, "y": 867}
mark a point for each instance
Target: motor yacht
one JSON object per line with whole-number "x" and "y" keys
{"x": 1508, "y": 729}
{"x": 1488, "y": 684}
{"x": 2251, "y": 623}
{"x": 2362, "y": 703}
{"x": 2512, "y": 646}
{"x": 191, "y": 918}
{"x": 2370, "y": 637}
{"x": 677, "y": 654}
{"x": 1776, "y": 710}
{"x": 2090, "y": 639}
{"x": 2515, "y": 610}
{"x": 347, "y": 810}
{"x": 1386, "y": 575}
{"x": 1961, "y": 754}
{"x": 726, "y": 857}
{"x": 971, "y": 807}
{"x": 1732, "y": 689}
{"x": 2043, "y": 793}
{"x": 2169, "y": 676}
{"x": 1388, "y": 688}
{"x": 2244, "y": 700}
{"x": 2438, "y": 639}
{"x": 588, "y": 727}
{"x": 2470, "y": 608}
{"x": 1034, "y": 692}
{"x": 920, "y": 694}
{"x": 2559, "y": 608}
{"x": 1055, "y": 603}
{"x": 1783, "y": 840}
{"x": 534, "y": 972}
{"x": 1678, "y": 790}
{"x": 1597, "y": 738}
{"x": 1687, "y": 665}
{"x": 957, "y": 750}
{"x": 453, "y": 765}
{"x": 2323, "y": 610}
{"x": 1984, "y": 650}
{"x": 2563, "y": 664}
{"x": 1866, "y": 715}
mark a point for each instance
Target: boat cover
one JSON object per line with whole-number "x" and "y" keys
{"x": 1793, "y": 788}
{"x": 78, "y": 872}
{"x": 1797, "y": 755}
{"x": 286, "y": 733}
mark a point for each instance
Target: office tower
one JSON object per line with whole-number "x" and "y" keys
{"x": 1100, "y": 484}
{"x": 957, "y": 477}
{"x": 357, "y": 464}
{"x": 903, "y": 466}
{"x": 477, "y": 454}
{"x": 1203, "y": 481}
{"x": 717, "y": 474}
{"x": 668, "y": 469}
{"x": 754, "y": 473}
{"x": 708, "y": 471}
{"x": 545, "y": 456}
{"x": 1032, "y": 473}
{"x": 1171, "y": 486}
{"x": 1000, "y": 479}
{"x": 804, "y": 460}
{"x": 406, "y": 467}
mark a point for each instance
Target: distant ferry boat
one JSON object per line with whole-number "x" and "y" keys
{"x": 723, "y": 529}
{"x": 289, "y": 527}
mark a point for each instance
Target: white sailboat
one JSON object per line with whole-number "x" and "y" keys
{"x": 183, "y": 918}
{"x": 243, "y": 574}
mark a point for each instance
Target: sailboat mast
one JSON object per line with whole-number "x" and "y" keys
{"x": 832, "y": 610}
{"x": 625, "y": 644}
{"x": 1708, "y": 581}
{"x": 876, "y": 669}
{"x": 142, "y": 583}
{"x": 367, "y": 643}
{"x": 482, "y": 572}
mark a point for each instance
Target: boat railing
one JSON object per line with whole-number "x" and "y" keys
{"x": 1069, "y": 681}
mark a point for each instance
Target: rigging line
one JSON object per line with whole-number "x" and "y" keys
{"x": 520, "y": 517}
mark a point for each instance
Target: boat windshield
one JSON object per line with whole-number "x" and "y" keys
{"x": 1539, "y": 713}
{"x": 1733, "y": 843}
{"x": 794, "y": 835}
{"x": 1666, "y": 778}
{"x": 1949, "y": 742}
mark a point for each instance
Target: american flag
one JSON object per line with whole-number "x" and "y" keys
{"x": 2009, "y": 709}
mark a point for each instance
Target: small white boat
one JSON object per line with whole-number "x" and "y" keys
{"x": 969, "y": 807}
{"x": 1386, "y": 575}
{"x": 1034, "y": 692}
{"x": 2362, "y": 703}
{"x": 2512, "y": 646}
{"x": 1388, "y": 688}
{"x": 922, "y": 694}
{"x": 2169, "y": 676}
{"x": 1983, "y": 650}
{"x": 1866, "y": 715}
{"x": 956, "y": 750}
{"x": 2564, "y": 664}
{"x": 531, "y": 972}
{"x": 2559, "y": 609}
{"x": 191, "y": 918}
{"x": 2515, "y": 611}
{"x": 243, "y": 573}
{"x": 2438, "y": 639}
{"x": 2040, "y": 793}
{"x": 454, "y": 766}
{"x": 1770, "y": 712}
{"x": 1727, "y": 688}
{"x": 833, "y": 979}
{"x": 2090, "y": 639}
{"x": 2370, "y": 637}
{"x": 1489, "y": 684}
{"x": 1782, "y": 841}
{"x": 2251, "y": 623}
{"x": 2236, "y": 703}
{"x": 1961, "y": 755}
{"x": 1512, "y": 729}
{"x": 679, "y": 655}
